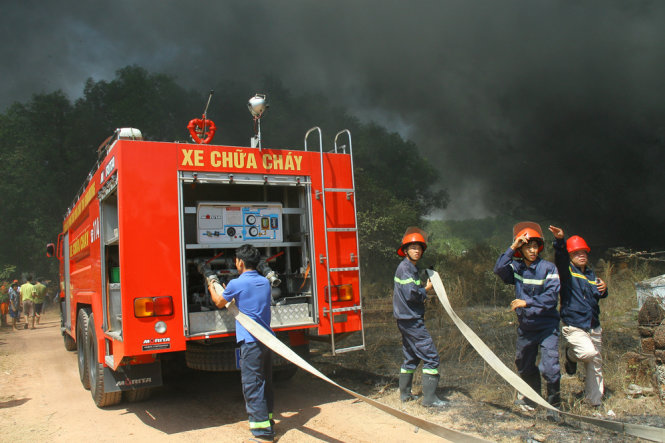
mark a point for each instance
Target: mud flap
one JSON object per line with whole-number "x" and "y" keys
{"x": 130, "y": 377}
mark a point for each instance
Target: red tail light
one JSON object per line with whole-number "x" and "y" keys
{"x": 334, "y": 296}
{"x": 163, "y": 305}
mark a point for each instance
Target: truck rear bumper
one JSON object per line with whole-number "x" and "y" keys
{"x": 222, "y": 321}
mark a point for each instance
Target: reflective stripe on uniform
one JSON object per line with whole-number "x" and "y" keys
{"x": 430, "y": 371}
{"x": 259, "y": 424}
{"x": 583, "y": 277}
{"x": 530, "y": 281}
{"x": 407, "y": 281}
{"x": 405, "y": 371}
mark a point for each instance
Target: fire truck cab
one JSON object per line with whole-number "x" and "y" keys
{"x": 152, "y": 212}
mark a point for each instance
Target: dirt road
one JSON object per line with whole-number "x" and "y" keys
{"x": 42, "y": 399}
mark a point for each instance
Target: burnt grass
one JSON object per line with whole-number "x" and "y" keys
{"x": 481, "y": 402}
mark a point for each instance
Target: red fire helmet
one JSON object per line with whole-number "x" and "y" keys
{"x": 533, "y": 230}
{"x": 575, "y": 243}
{"x": 412, "y": 235}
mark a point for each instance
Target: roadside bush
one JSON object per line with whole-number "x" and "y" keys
{"x": 470, "y": 280}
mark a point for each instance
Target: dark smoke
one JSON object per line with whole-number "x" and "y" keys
{"x": 530, "y": 108}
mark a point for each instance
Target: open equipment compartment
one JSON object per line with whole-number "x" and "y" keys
{"x": 219, "y": 213}
{"x": 111, "y": 291}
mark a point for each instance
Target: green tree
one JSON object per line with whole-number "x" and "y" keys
{"x": 35, "y": 151}
{"x": 153, "y": 103}
{"x": 7, "y": 272}
{"x": 395, "y": 190}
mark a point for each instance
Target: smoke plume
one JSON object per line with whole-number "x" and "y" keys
{"x": 526, "y": 107}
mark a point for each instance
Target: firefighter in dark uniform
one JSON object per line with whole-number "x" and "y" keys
{"x": 581, "y": 291}
{"x": 251, "y": 292}
{"x": 536, "y": 297}
{"x": 409, "y": 309}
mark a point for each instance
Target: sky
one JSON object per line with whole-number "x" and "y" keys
{"x": 521, "y": 105}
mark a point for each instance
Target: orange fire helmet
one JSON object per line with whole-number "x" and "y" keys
{"x": 533, "y": 230}
{"x": 575, "y": 243}
{"x": 412, "y": 235}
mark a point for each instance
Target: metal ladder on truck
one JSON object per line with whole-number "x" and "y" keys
{"x": 350, "y": 195}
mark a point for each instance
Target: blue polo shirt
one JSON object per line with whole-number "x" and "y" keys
{"x": 251, "y": 292}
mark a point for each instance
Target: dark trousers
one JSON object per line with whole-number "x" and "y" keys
{"x": 256, "y": 375}
{"x": 528, "y": 343}
{"x": 417, "y": 345}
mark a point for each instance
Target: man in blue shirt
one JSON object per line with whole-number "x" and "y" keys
{"x": 580, "y": 314}
{"x": 409, "y": 309}
{"x": 251, "y": 292}
{"x": 536, "y": 297}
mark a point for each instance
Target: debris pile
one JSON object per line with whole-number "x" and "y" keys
{"x": 652, "y": 331}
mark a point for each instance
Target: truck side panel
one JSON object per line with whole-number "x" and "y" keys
{"x": 83, "y": 252}
{"x": 149, "y": 241}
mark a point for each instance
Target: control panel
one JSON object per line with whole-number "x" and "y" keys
{"x": 235, "y": 223}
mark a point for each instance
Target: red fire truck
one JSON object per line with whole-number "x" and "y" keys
{"x": 152, "y": 212}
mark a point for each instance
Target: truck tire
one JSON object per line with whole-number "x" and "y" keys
{"x": 287, "y": 371}
{"x": 218, "y": 358}
{"x": 136, "y": 395}
{"x": 96, "y": 370}
{"x": 81, "y": 337}
{"x": 284, "y": 373}
{"x": 70, "y": 344}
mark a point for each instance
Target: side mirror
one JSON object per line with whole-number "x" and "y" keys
{"x": 50, "y": 250}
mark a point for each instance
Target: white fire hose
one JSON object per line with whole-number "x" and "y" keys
{"x": 642, "y": 431}
{"x": 280, "y": 348}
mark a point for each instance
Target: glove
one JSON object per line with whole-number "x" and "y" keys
{"x": 219, "y": 289}
{"x": 208, "y": 273}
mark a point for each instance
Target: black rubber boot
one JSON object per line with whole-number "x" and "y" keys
{"x": 569, "y": 365}
{"x": 405, "y": 382}
{"x": 554, "y": 398}
{"x": 533, "y": 380}
{"x": 430, "y": 382}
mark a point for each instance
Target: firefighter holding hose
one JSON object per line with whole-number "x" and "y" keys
{"x": 409, "y": 298}
{"x": 536, "y": 297}
{"x": 251, "y": 292}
